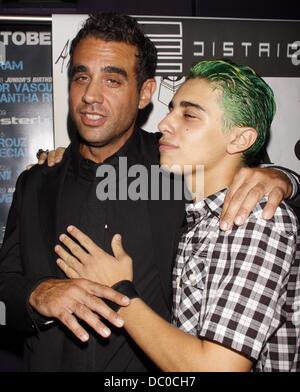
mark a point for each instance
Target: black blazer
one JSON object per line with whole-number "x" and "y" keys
{"x": 27, "y": 256}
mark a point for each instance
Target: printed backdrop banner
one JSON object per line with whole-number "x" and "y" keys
{"x": 25, "y": 104}
{"x": 271, "y": 47}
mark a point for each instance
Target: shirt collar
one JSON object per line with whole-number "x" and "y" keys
{"x": 212, "y": 204}
{"x": 88, "y": 168}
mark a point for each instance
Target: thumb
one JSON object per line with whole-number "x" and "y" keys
{"x": 117, "y": 247}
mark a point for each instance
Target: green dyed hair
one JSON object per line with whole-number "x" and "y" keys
{"x": 247, "y": 100}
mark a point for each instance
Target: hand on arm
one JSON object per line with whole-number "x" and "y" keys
{"x": 249, "y": 186}
{"x": 69, "y": 299}
{"x": 170, "y": 348}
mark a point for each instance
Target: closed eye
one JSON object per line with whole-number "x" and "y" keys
{"x": 188, "y": 115}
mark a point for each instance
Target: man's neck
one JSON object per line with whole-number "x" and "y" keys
{"x": 99, "y": 154}
{"x": 213, "y": 179}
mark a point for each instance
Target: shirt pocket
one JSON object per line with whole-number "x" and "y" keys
{"x": 194, "y": 273}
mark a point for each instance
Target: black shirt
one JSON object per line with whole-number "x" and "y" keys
{"x": 100, "y": 220}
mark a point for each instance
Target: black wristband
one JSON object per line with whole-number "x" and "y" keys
{"x": 124, "y": 287}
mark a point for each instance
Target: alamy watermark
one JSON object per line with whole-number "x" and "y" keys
{"x": 2, "y": 313}
{"x": 139, "y": 182}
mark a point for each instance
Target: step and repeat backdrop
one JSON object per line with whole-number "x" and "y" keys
{"x": 26, "y": 122}
{"x": 271, "y": 47}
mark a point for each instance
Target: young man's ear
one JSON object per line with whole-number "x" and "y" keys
{"x": 241, "y": 139}
{"x": 147, "y": 90}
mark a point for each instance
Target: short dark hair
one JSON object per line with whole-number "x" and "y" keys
{"x": 120, "y": 28}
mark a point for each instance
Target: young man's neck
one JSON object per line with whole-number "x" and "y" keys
{"x": 214, "y": 179}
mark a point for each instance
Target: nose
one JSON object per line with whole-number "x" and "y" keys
{"x": 167, "y": 125}
{"x": 93, "y": 93}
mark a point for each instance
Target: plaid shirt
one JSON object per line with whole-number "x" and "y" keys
{"x": 241, "y": 288}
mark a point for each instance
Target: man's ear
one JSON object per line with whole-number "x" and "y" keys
{"x": 147, "y": 90}
{"x": 240, "y": 139}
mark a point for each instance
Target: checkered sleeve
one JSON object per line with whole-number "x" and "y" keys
{"x": 249, "y": 272}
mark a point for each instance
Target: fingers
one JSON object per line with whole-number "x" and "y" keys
{"x": 69, "y": 260}
{"x": 104, "y": 292}
{"x": 274, "y": 199}
{"x": 117, "y": 246}
{"x": 42, "y": 158}
{"x": 240, "y": 204}
{"x": 55, "y": 156}
{"x": 75, "y": 249}
{"x": 72, "y": 324}
{"x": 103, "y": 310}
{"x": 69, "y": 272}
{"x": 85, "y": 314}
{"x": 88, "y": 308}
{"x": 83, "y": 239}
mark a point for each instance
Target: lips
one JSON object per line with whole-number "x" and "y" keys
{"x": 92, "y": 119}
{"x": 163, "y": 146}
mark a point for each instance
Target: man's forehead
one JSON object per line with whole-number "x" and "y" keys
{"x": 106, "y": 53}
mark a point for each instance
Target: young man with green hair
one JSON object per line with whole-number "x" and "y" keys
{"x": 236, "y": 294}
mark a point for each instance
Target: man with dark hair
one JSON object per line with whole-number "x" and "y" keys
{"x": 236, "y": 294}
{"x": 121, "y": 28}
{"x": 111, "y": 78}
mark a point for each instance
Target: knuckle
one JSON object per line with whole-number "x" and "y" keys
{"x": 72, "y": 289}
{"x": 228, "y": 194}
{"x": 75, "y": 247}
{"x": 277, "y": 192}
{"x": 228, "y": 216}
{"x": 98, "y": 325}
{"x": 256, "y": 192}
{"x": 51, "y": 154}
{"x": 111, "y": 315}
{"x": 244, "y": 211}
{"x": 239, "y": 194}
{"x": 64, "y": 317}
{"x": 80, "y": 308}
{"x": 92, "y": 301}
{"x": 261, "y": 186}
{"x": 81, "y": 283}
{"x": 78, "y": 331}
{"x": 272, "y": 205}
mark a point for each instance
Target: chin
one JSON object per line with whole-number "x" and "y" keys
{"x": 172, "y": 167}
{"x": 89, "y": 141}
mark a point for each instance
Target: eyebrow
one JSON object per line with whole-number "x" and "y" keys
{"x": 108, "y": 69}
{"x": 117, "y": 70}
{"x": 187, "y": 104}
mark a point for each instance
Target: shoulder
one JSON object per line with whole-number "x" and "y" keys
{"x": 37, "y": 172}
{"x": 284, "y": 220}
{"x": 278, "y": 234}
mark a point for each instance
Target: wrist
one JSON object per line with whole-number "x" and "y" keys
{"x": 125, "y": 287}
